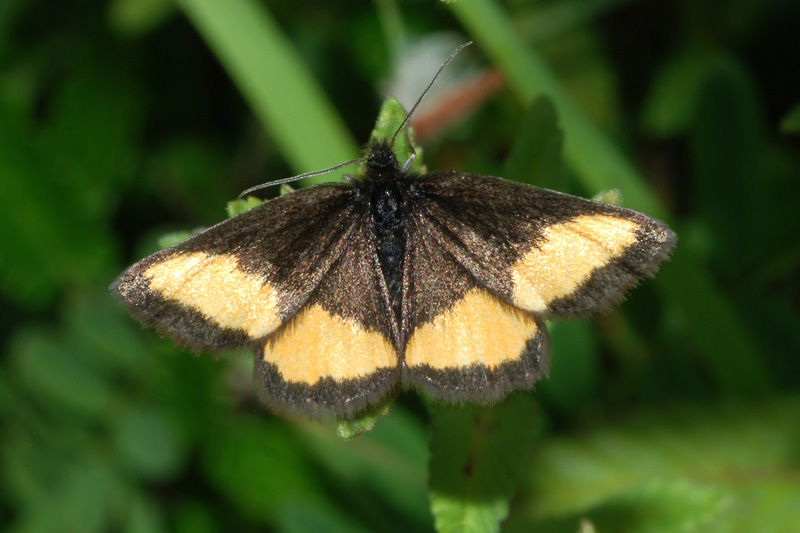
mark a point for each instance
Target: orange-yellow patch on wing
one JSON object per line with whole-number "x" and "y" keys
{"x": 215, "y": 286}
{"x": 479, "y": 328}
{"x": 317, "y": 344}
{"x": 567, "y": 256}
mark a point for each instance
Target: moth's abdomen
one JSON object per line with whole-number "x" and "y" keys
{"x": 388, "y": 219}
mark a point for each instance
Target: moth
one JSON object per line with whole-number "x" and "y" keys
{"x": 349, "y": 291}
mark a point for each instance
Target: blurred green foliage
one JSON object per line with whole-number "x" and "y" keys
{"x": 124, "y": 120}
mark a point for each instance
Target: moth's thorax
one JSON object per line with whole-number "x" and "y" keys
{"x": 382, "y": 165}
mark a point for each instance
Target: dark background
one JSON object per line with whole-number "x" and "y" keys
{"x": 122, "y": 121}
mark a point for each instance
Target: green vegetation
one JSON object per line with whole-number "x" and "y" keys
{"x": 127, "y": 124}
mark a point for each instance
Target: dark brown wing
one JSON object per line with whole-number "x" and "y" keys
{"x": 295, "y": 279}
{"x": 239, "y": 280}
{"x": 461, "y": 341}
{"x": 543, "y": 251}
{"x": 337, "y": 355}
{"x": 488, "y": 259}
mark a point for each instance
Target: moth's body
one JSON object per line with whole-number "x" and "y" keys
{"x": 386, "y": 200}
{"x": 347, "y": 292}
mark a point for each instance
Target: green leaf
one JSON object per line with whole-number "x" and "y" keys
{"x": 259, "y": 467}
{"x": 574, "y": 365}
{"x": 188, "y": 173}
{"x": 174, "y": 237}
{"x": 547, "y": 22}
{"x": 672, "y": 102}
{"x": 728, "y": 149}
{"x": 768, "y": 505}
{"x": 536, "y": 156}
{"x": 240, "y": 205}
{"x": 98, "y": 106}
{"x": 351, "y": 428}
{"x": 102, "y": 331}
{"x": 192, "y": 516}
{"x": 149, "y": 443}
{"x": 702, "y": 463}
{"x": 144, "y": 516}
{"x": 57, "y": 373}
{"x": 133, "y": 17}
{"x": 663, "y": 506}
{"x": 302, "y": 518}
{"x": 791, "y": 122}
{"x": 476, "y": 455}
{"x": 388, "y": 462}
{"x": 79, "y": 502}
{"x": 54, "y": 238}
{"x": 657, "y": 506}
{"x": 6, "y": 396}
{"x": 56, "y": 181}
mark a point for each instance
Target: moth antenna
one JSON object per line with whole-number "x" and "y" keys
{"x": 300, "y": 176}
{"x": 428, "y": 88}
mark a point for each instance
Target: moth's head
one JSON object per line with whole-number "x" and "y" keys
{"x": 381, "y": 161}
